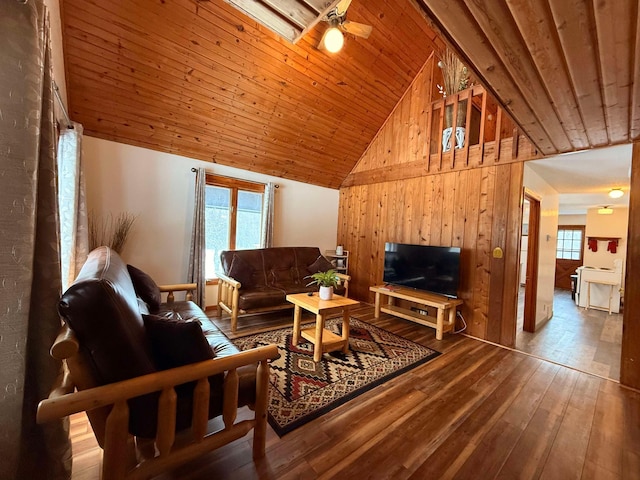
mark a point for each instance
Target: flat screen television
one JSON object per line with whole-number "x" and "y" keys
{"x": 423, "y": 267}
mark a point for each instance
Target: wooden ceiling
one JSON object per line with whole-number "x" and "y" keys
{"x": 203, "y": 80}
{"x": 564, "y": 69}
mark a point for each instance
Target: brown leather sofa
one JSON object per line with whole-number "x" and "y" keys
{"x": 259, "y": 280}
{"x": 166, "y": 364}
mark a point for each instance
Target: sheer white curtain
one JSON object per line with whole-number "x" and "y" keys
{"x": 74, "y": 234}
{"x": 266, "y": 237}
{"x": 197, "y": 253}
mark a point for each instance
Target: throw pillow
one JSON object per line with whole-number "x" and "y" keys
{"x": 241, "y": 271}
{"x": 145, "y": 288}
{"x": 320, "y": 265}
{"x": 175, "y": 343}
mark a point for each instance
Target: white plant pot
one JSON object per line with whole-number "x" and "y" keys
{"x": 326, "y": 293}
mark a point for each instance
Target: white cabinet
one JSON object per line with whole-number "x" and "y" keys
{"x": 600, "y": 287}
{"x": 340, "y": 262}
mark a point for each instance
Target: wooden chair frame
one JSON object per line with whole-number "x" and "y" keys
{"x": 108, "y": 411}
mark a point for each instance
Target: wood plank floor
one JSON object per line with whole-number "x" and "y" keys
{"x": 588, "y": 340}
{"x": 478, "y": 411}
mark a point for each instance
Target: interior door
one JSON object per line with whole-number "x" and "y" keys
{"x": 568, "y": 254}
{"x": 531, "y": 277}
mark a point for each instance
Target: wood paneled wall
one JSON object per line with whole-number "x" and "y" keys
{"x": 477, "y": 208}
{"x": 630, "y": 365}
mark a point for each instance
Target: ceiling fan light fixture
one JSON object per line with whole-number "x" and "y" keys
{"x": 616, "y": 193}
{"x": 333, "y": 40}
{"x": 605, "y": 211}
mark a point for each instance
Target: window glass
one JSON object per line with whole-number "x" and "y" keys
{"x": 218, "y": 221}
{"x": 249, "y": 220}
{"x": 569, "y": 244}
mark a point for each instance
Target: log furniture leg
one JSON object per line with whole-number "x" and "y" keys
{"x": 317, "y": 350}
{"x": 296, "y": 324}
{"x": 345, "y": 330}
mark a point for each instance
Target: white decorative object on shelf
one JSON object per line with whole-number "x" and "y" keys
{"x": 339, "y": 260}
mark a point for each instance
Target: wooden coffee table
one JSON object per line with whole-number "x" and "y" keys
{"x": 322, "y": 339}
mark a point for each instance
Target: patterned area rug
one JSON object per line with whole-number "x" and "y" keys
{"x": 302, "y": 390}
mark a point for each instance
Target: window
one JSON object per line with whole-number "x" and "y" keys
{"x": 233, "y": 216}
{"x": 570, "y": 243}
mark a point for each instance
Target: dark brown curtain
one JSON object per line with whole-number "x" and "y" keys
{"x": 29, "y": 252}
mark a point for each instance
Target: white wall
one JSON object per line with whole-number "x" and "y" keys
{"x": 159, "y": 188}
{"x": 614, "y": 225}
{"x": 547, "y": 242}
{"x": 572, "y": 220}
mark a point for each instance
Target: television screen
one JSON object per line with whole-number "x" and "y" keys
{"x": 424, "y": 267}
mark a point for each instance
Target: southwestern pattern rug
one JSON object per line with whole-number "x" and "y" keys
{"x": 301, "y": 390}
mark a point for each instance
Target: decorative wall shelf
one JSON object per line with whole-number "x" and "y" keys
{"x": 340, "y": 262}
{"x": 604, "y": 239}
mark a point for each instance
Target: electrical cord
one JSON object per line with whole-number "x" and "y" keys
{"x": 459, "y": 315}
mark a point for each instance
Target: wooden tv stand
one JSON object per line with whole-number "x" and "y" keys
{"x": 445, "y": 306}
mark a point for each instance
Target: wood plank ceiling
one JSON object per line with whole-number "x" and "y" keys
{"x": 201, "y": 79}
{"x": 564, "y": 69}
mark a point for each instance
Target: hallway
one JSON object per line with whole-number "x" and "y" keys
{"x": 588, "y": 340}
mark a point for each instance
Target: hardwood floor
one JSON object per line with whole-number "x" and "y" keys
{"x": 478, "y": 411}
{"x": 588, "y": 340}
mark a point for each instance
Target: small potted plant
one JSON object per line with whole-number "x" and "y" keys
{"x": 327, "y": 281}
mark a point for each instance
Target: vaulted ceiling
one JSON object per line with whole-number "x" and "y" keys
{"x": 203, "y": 80}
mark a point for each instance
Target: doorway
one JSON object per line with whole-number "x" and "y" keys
{"x": 529, "y": 259}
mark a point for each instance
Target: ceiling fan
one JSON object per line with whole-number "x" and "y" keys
{"x": 332, "y": 40}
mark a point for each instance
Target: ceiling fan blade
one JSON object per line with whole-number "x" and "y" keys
{"x": 357, "y": 29}
{"x": 341, "y": 7}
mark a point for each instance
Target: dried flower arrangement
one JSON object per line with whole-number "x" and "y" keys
{"x": 110, "y": 231}
{"x": 455, "y": 75}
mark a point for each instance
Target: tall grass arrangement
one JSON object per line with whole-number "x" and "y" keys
{"x": 455, "y": 75}
{"x": 455, "y": 78}
{"x": 110, "y": 231}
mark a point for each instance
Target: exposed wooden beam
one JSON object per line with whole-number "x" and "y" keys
{"x": 538, "y": 31}
{"x": 574, "y": 23}
{"x": 498, "y": 25}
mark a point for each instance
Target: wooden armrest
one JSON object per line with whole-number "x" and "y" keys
{"x": 97, "y": 397}
{"x": 178, "y": 287}
{"x": 345, "y": 279}
{"x": 65, "y": 345}
{"x": 231, "y": 281}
